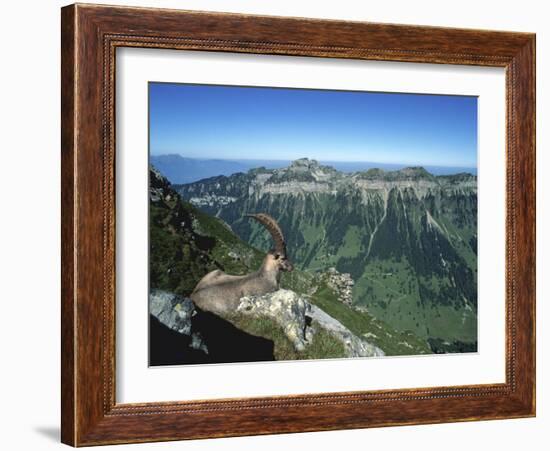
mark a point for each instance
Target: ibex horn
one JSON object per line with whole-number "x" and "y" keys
{"x": 273, "y": 228}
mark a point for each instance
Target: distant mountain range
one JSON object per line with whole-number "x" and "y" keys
{"x": 179, "y": 170}
{"x": 407, "y": 237}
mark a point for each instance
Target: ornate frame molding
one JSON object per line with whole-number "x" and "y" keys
{"x": 90, "y": 36}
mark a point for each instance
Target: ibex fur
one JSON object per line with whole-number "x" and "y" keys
{"x": 218, "y": 292}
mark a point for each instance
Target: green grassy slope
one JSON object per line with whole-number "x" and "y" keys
{"x": 366, "y": 326}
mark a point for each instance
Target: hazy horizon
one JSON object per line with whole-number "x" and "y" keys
{"x": 179, "y": 169}
{"x": 244, "y": 123}
{"x": 324, "y": 162}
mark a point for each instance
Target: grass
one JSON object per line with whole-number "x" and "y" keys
{"x": 395, "y": 298}
{"x": 365, "y": 326}
{"x": 323, "y": 346}
{"x": 301, "y": 282}
{"x": 351, "y": 246}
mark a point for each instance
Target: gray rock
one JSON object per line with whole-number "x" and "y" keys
{"x": 172, "y": 310}
{"x": 286, "y": 308}
{"x": 355, "y": 347}
{"x": 341, "y": 284}
{"x": 155, "y": 194}
{"x": 293, "y": 314}
{"x": 175, "y": 312}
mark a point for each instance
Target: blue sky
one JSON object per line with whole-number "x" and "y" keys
{"x": 232, "y": 122}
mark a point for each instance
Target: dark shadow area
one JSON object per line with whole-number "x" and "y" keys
{"x": 225, "y": 342}
{"x": 52, "y": 433}
{"x": 168, "y": 347}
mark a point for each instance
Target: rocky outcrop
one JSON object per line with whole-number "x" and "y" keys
{"x": 355, "y": 347}
{"x": 286, "y": 308}
{"x": 158, "y": 185}
{"x": 341, "y": 284}
{"x": 308, "y": 176}
{"x": 212, "y": 200}
{"x": 176, "y": 313}
{"x": 299, "y": 320}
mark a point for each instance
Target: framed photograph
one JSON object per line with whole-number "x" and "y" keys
{"x": 279, "y": 225}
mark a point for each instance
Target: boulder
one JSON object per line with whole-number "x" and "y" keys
{"x": 176, "y": 313}
{"x": 298, "y": 319}
{"x": 341, "y": 284}
{"x": 286, "y": 308}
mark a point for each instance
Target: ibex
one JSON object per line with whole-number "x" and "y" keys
{"x": 218, "y": 292}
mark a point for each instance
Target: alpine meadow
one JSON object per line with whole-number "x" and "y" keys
{"x": 290, "y": 224}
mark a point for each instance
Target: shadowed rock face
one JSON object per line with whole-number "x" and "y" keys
{"x": 341, "y": 284}
{"x": 169, "y": 347}
{"x": 355, "y": 346}
{"x": 179, "y": 334}
{"x": 172, "y": 310}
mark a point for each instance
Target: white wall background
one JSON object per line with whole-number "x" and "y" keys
{"x": 30, "y": 228}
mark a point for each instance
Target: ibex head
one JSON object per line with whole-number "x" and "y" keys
{"x": 277, "y": 257}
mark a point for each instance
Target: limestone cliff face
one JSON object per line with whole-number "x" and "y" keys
{"x": 308, "y": 176}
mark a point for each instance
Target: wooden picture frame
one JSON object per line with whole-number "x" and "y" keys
{"x": 90, "y": 36}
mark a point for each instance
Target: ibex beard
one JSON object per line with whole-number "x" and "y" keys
{"x": 220, "y": 293}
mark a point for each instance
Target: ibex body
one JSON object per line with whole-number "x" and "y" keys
{"x": 220, "y": 293}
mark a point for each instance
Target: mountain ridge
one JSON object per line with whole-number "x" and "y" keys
{"x": 179, "y": 169}
{"x": 310, "y": 171}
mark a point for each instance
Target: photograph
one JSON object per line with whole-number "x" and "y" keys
{"x": 291, "y": 224}
{"x": 276, "y": 225}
